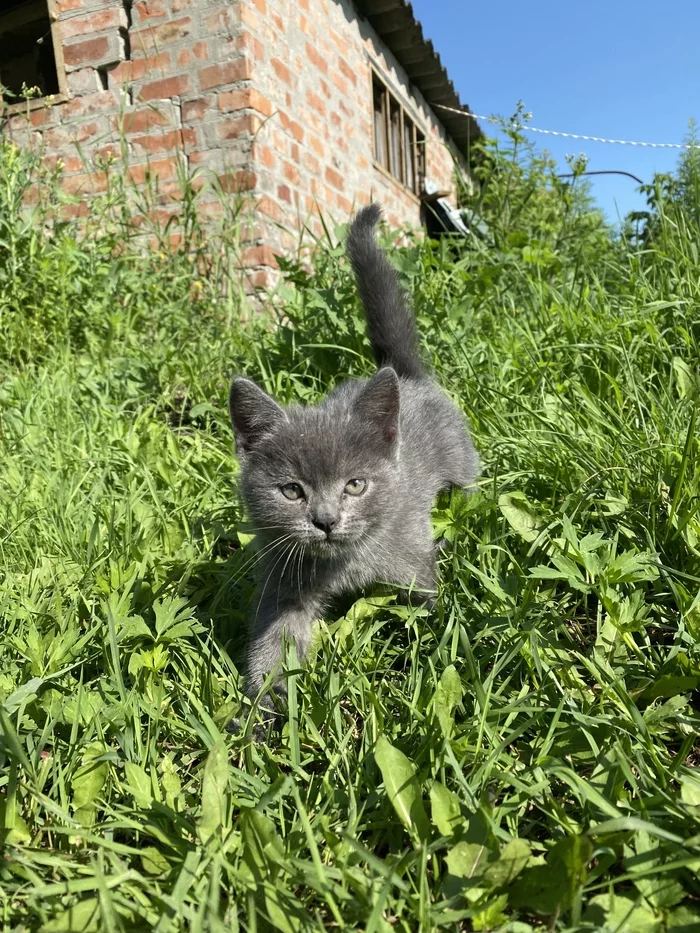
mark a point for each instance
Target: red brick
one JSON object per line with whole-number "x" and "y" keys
{"x": 98, "y": 21}
{"x": 344, "y": 204}
{"x": 74, "y": 211}
{"x": 43, "y": 116}
{"x": 340, "y": 43}
{"x": 347, "y": 70}
{"x": 155, "y": 37}
{"x": 318, "y": 60}
{"x": 317, "y": 146}
{"x": 259, "y": 256}
{"x": 166, "y": 87}
{"x": 109, "y": 153}
{"x": 101, "y": 102}
{"x": 195, "y": 109}
{"x": 248, "y": 43}
{"x": 278, "y": 23}
{"x": 144, "y": 119}
{"x": 64, "y": 6}
{"x": 63, "y": 163}
{"x": 269, "y": 208}
{"x": 166, "y": 142}
{"x": 235, "y": 182}
{"x": 340, "y": 83}
{"x": 246, "y": 99}
{"x": 266, "y": 156}
{"x": 184, "y": 58}
{"x": 82, "y": 53}
{"x": 281, "y": 70}
{"x": 293, "y": 127}
{"x": 177, "y": 6}
{"x": 248, "y": 17}
{"x": 61, "y": 136}
{"x": 315, "y": 102}
{"x": 200, "y": 50}
{"x": 259, "y": 279}
{"x": 157, "y": 168}
{"x": 92, "y": 183}
{"x": 334, "y": 178}
{"x": 148, "y": 9}
{"x": 294, "y": 152}
{"x": 284, "y": 194}
{"x": 240, "y": 69}
{"x": 233, "y": 128}
{"x": 260, "y": 5}
{"x": 138, "y": 68}
{"x": 311, "y": 163}
{"x": 291, "y": 173}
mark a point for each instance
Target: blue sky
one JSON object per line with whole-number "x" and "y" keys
{"x": 616, "y": 69}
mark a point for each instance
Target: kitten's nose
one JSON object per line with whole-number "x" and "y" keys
{"x": 325, "y": 522}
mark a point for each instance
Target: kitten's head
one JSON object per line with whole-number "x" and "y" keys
{"x": 324, "y": 476}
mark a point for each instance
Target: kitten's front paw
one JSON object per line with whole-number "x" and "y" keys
{"x": 270, "y": 713}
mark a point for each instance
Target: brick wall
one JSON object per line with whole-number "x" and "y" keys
{"x": 271, "y": 97}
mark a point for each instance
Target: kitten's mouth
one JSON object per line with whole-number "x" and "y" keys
{"x": 326, "y": 546}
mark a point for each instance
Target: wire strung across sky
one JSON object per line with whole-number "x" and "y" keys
{"x": 592, "y": 139}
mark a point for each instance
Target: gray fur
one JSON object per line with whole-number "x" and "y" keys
{"x": 397, "y": 431}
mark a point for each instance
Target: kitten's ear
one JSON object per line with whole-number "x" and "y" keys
{"x": 378, "y": 408}
{"x": 253, "y": 413}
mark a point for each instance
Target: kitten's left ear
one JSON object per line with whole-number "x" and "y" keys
{"x": 378, "y": 407}
{"x": 253, "y": 413}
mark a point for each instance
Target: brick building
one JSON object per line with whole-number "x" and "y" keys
{"x": 304, "y": 105}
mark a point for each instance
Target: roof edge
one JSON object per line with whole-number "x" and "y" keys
{"x": 402, "y": 33}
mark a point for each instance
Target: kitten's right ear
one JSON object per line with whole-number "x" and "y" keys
{"x": 254, "y": 414}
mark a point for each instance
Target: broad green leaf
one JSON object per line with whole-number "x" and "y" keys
{"x": 153, "y": 861}
{"x": 447, "y": 696}
{"x": 402, "y": 788}
{"x": 88, "y": 782}
{"x": 662, "y": 892}
{"x": 616, "y": 913}
{"x": 690, "y": 789}
{"x": 511, "y": 861}
{"x": 83, "y": 917}
{"x": 13, "y": 827}
{"x": 139, "y": 785}
{"x": 171, "y": 784}
{"x": 133, "y": 627}
{"x": 685, "y": 919}
{"x": 492, "y": 916}
{"x": 262, "y": 847}
{"x": 23, "y": 694}
{"x": 445, "y": 809}
{"x": 551, "y": 888}
{"x": 687, "y": 380}
{"x": 468, "y": 859}
{"x": 214, "y": 813}
{"x": 669, "y": 686}
{"x": 520, "y": 514}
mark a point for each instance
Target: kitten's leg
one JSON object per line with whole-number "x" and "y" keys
{"x": 420, "y": 576}
{"x": 273, "y": 621}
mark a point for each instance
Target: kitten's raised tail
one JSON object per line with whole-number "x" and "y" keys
{"x": 391, "y": 327}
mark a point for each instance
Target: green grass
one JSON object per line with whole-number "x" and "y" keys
{"x": 523, "y": 758}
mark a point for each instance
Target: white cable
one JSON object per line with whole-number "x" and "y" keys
{"x": 592, "y": 139}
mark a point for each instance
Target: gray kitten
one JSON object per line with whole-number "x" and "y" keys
{"x": 341, "y": 492}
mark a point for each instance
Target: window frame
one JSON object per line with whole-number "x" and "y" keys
{"x": 391, "y": 103}
{"x": 35, "y": 103}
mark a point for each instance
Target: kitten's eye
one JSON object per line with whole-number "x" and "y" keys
{"x": 355, "y": 487}
{"x": 292, "y": 491}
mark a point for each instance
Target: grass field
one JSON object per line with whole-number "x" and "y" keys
{"x": 522, "y": 759}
